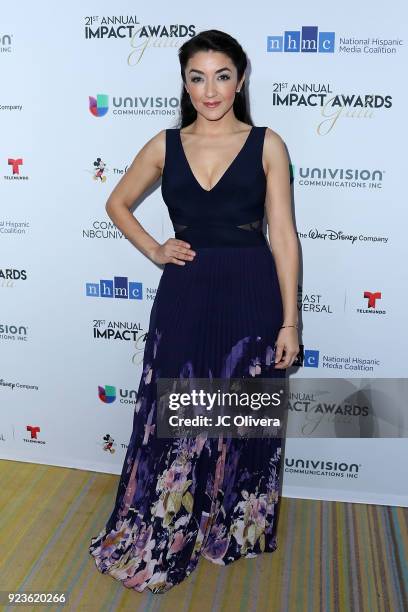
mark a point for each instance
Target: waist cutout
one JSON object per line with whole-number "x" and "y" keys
{"x": 219, "y": 235}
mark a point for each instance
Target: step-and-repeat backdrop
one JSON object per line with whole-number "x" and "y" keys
{"x": 81, "y": 92}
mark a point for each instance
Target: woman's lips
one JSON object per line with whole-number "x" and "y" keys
{"x": 212, "y": 104}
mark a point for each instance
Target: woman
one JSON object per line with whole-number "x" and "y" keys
{"x": 223, "y": 309}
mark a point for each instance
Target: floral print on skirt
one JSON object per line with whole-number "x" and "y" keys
{"x": 182, "y": 498}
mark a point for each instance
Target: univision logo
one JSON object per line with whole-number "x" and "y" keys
{"x": 107, "y": 394}
{"x": 5, "y": 43}
{"x": 99, "y": 106}
{"x": 309, "y": 466}
{"x": 306, "y": 40}
{"x": 342, "y": 174}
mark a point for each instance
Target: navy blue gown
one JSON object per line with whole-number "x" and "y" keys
{"x": 217, "y": 316}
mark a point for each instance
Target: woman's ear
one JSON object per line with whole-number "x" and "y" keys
{"x": 241, "y": 84}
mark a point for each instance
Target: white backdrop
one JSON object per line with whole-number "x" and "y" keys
{"x": 70, "y": 361}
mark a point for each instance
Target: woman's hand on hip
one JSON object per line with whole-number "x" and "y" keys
{"x": 173, "y": 251}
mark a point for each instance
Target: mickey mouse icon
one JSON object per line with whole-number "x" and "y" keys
{"x": 100, "y": 169}
{"x": 108, "y": 446}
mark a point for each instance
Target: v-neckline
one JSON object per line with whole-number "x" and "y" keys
{"x": 227, "y": 169}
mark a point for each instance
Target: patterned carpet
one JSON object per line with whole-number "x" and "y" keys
{"x": 331, "y": 556}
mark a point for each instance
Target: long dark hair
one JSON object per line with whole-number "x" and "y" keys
{"x": 213, "y": 40}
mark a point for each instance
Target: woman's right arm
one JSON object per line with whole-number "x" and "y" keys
{"x": 144, "y": 171}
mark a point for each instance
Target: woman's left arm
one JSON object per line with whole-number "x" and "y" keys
{"x": 283, "y": 243}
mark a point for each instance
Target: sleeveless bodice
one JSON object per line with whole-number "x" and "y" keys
{"x": 229, "y": 214}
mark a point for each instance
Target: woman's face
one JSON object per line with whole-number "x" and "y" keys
{"x": 212, "y": 82}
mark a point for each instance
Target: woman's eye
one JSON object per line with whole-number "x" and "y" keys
{"x": 223, "y": 77}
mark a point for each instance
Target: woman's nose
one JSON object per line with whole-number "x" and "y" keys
{"x": 210, "y": 89}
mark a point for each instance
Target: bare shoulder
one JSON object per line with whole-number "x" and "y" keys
{"x": 153, "y": 151}
{"x": 274, "y": 143}
{"x": 274, "y": 151}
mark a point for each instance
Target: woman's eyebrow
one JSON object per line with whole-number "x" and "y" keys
{"x": 201, "y": 72}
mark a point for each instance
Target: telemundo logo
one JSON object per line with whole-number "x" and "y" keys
{"x": 306, "y": 40}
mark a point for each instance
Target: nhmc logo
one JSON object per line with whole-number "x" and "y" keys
{"x": 306, "y": 40}
{"x": 119, "y": 288}
{"x": 308, "y": 358}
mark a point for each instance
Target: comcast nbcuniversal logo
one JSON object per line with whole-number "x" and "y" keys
{"x": 99, "y": 106}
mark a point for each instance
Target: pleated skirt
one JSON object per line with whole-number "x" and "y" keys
{"x": 217, "y": 316}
